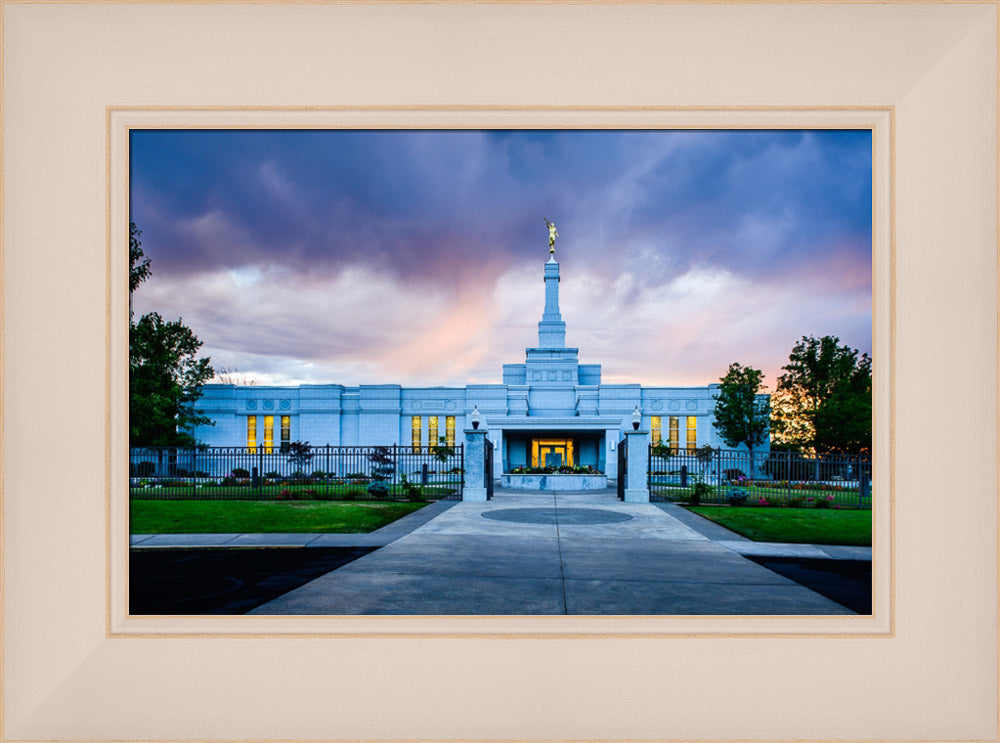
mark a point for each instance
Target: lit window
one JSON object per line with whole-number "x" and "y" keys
{"x": 286, "y": 431}
{"x": 268, "y": 433}
{"x": 432, "y": 430}
{"x": 417, "y": 426}
{"x": 674, "y": 429}
{"x": 692, "y": 433}
{"x": 449, "y": 430}
{"x": 251, "y": 432}
{"x": 655, "y": 429}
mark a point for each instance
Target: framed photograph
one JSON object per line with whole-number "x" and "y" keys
{"x": 363, "y": 300}
{"x": 922, "y": 78}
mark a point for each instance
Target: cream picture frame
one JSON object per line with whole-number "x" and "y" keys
{"x": 77, "y": 76}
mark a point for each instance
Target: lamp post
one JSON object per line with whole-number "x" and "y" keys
{"x": 636, "y": 418}
{"x": 475, "y": 416}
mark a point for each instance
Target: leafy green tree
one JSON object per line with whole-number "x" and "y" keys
{"x": 165, "y": 381}
{"x": 299, "y": 454}
{"x": 139, "y": 269}
{"x": 826, "y": 397}
{"x": 165, "y": 374}
{"x": 741, "y": 412}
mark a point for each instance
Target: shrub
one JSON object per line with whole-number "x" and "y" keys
{"x": 699, "y": 490}
{"x": 412, "y": 491}
{"x": 228, "y": 481}
{"x": 794, "y": 501}
{"x": 318, "y": 475}
{"x": 145, "y": 469}
{"x": 240, "y": 472}
{"x": 287, "y": 494}
{"x": 378, "y": 489}
{"x": 824, "y": 502}
{"x": 273, "y": 475}
{"x": 736, "y": 497}
{"x": 353, "y": 493}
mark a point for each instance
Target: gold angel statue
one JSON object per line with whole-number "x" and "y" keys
{"x": 552, "y": 235}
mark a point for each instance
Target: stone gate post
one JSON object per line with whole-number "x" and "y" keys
{"x": 637, "y": 471}
{"x": 475, "y": 465}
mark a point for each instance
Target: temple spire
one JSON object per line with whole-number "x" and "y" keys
{"x": 551, "y": 330}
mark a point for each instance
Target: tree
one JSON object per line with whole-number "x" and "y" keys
{"x": 165, "y": 381}
{"x": 299, "y": 455}
{"x": 741, "y": 412}
{"x": 825, "y": 397}
{"x": 139, "y": 269}
{"x": 165, "y": 374}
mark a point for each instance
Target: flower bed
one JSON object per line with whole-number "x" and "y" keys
{"x": 553, "y": 481}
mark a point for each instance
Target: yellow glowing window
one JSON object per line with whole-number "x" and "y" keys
{"x": 449, "y": 430}
{"x": 432, "y": 430}
{"x": 674, "y": 429}
{"x": 655, "y": 429}
{"x": 251, "y": 432}
{"x": 417, "y": 429}
{"x": 268, "y": 433}
{"x": 692, "y": 433}
{"x": 286, "y": 431}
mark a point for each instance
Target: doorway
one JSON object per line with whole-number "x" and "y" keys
{"x": 552, "y": 452}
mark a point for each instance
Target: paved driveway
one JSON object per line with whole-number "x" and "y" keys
{"x": 535, "y": 553}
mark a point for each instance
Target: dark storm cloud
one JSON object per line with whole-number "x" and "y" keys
{"x": 287, "y": 244}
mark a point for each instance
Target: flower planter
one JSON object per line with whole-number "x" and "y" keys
{"x": 554, "y": 482}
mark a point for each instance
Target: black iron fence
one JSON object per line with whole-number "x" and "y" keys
{"x": 321, "y": 472}
{"x": 767, "y": 478}
{"x": 488, "y": 465}
{"x": 622, "y": 468}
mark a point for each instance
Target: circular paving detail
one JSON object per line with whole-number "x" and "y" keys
{"x": 562, "y": 516}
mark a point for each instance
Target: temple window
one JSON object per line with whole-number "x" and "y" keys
{"x": 692, "y": 433}
{"x": 432, "y": 430}
{"x": 251, "y": 432}
{"x": 268, "y": 433}
{"x": 417, "y": 429}
{"x": 674, "y": 432}
{"x": 655, "y": 426}
{"x": 286, "y": 431}
{"x": 449, "y": 430}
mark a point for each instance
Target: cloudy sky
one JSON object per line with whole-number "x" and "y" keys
{"x": 415, "y": 257}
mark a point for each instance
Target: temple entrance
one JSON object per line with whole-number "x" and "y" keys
{"x": 552, "y": 452}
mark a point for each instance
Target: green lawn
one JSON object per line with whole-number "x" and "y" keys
{"x": 804, "y": 525}
{"x": 235, "y": 516}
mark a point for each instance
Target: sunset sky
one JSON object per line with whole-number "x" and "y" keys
{"x": 415, "y": 257}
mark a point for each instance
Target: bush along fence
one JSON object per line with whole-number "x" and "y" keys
{"x": 298, "y": 472}
{"x": 778, "y": 478}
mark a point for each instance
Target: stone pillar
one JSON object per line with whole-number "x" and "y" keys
{"x": 637, "y": 474}
{"x": 475, "y": 465}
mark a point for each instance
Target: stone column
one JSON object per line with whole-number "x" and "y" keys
{"x": 475, "y": 465}
{"x": 637, "y": 474}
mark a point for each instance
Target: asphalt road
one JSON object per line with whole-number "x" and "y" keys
{"x": 234, "y": 581}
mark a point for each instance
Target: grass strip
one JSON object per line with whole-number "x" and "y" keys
{"x": 262, "y": 517}
{"x": 796, "y": 525}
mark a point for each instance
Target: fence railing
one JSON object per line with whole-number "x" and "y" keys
{"x": 322, "y": 472}
{"x": 766, "y": 478}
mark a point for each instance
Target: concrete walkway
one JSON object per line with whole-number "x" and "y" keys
{"x": 543, "y": 553}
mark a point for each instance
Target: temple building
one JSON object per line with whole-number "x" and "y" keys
{"x": 548, "y": 410}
